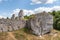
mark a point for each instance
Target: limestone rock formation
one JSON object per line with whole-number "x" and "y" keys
{"x": 20, "y": 15}
{"x": 42, "y": 23}
{"x": 12, "y": 24}
{"x": 13, "y": 17}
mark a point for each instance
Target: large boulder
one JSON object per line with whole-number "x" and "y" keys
{"x": 42, "y": 23}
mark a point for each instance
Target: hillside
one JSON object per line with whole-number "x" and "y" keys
{"x": 24, "y": 34}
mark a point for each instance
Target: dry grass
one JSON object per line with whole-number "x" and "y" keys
{"x": 22, "y": 35}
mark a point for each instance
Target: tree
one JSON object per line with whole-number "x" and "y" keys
{"x": 26, "y": 17}
{"x": 56, "y": 19}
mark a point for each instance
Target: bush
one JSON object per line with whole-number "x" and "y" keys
{"x": 56, "y": 19}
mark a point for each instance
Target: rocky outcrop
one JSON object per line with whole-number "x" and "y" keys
{"x": 42, "y": 23}
{"x": 13, "y": 23}
{"x": 10, "y": 25}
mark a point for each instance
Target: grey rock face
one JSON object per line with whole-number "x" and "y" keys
{"x": 13, "y": 23}
{"x": 13, "y": 17}
{"x": 20, "y": 15}
{"x": 41, "y": 24}
{"x": 10, "y": 25}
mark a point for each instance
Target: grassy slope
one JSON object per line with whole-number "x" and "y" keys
{"x": 24, "y": 34}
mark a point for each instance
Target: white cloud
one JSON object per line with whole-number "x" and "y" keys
{"x": 15, "y": 11}
{"x": 51, "y": 1}
{"x": 56, "y": 8}
{"x": 26, "y": 12}
{"x": 35, "y": 2}
{"x": 2, "y": 17}
{"x": 47, "y": 9}
{"x": 36, "y": 10}
{"x": 41, "y": 9}
{"x": 42, "y": 1}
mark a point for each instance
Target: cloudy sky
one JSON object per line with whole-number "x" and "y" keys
{"x": 9, "y": 7}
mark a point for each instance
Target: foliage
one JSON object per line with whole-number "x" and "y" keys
{"x": 7, "y": 18}
{"x": 28, "y": 17}
{"x": 56, "y": 19}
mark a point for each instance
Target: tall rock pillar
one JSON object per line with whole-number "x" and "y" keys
{"x": 13, "y": 17}
{"x": 20, "y": 15}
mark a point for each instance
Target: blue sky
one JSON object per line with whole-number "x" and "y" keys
{"x": 9, "y": 7}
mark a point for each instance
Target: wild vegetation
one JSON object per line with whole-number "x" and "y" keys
{"x": 56, "y": 19}
{"x": 25, "y": 34}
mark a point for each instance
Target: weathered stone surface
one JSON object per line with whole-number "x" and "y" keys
{"x": 13, "y": 17}
{"x": 3, "y": 27}
{"x": 41, "y": 24}
{"x": 12, "y": 24}
{"x": 10, "y": 28}
{"x": 20, "y": 15}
